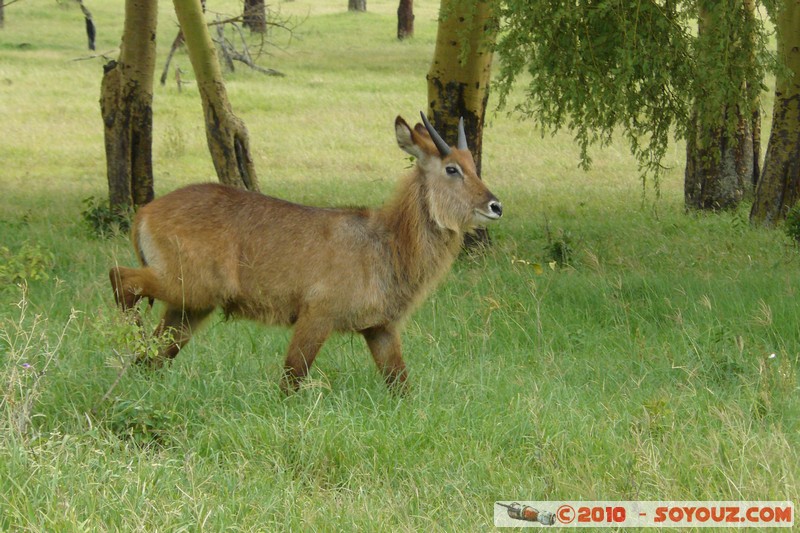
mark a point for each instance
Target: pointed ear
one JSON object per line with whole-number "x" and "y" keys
{"x": 419, "y": 128}
{"x": 408, "y": 139}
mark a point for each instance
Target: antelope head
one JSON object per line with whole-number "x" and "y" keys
{"x": 457, "y": 198}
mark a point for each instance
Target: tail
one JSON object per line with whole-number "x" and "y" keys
{"x": 137, "y": 246}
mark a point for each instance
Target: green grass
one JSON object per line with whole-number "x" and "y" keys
{"x": 639, "y": 368}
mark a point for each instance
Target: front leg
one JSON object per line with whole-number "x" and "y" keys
{"x": 384, "y": 343}
{"x": 310, "y": 333}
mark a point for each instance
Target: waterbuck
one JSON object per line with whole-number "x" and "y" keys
{"x": 318, "y": 269}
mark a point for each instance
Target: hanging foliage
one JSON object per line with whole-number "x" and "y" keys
{"x": 600, "y": 67}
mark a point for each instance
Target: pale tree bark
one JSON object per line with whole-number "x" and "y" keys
{"x": 459, "y": 77}
{"x": 460, "y": 73}
{"x": 405, "y": 19}
{"x": 721, "y": 162}
{"x": 228, "y": 140}
{"x": 356, "y": 5}
{"x": 126, "y": 107}
{"x": 779, "y": 187}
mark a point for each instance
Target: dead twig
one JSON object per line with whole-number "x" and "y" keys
{"x": 106, "y": 56}
{"x": 230, "y": 53}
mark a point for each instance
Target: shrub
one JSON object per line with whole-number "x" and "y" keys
{"x": 560, "y": 248}
{"x": 104, "y": 221}
{"x": 792, "y": 224}
{"x": 30, "y": 262}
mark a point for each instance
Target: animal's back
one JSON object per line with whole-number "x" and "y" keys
{"x": 261, "y": 257}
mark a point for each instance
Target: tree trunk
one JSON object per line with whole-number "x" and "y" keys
{"x": 755, "y": 116}
{"x": 779, "y": 187}
{"x": 720, "y": 160}
{"x": 356, "y": 5}
{"x": 228, "y": 140}
{"x": 255, "y": 16}
{"x": 459, "y": 76}
{"x": 755, "y": 125}
{"x": 719, "y": 167}
{"x": 126, "y": 107}
{"x": 405, "y": 19}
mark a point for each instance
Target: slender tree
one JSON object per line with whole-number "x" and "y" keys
{"x": 177, "y": 42}
{"x": 227, "y": 136}
{"x": 459, "y": 77}
{"x": 405, "y": 19}
{"x": 779, "y": 187}
{"x": 91, "y": 31}
{"x": 460, "y": 73}
{"x": 126, "y": 108}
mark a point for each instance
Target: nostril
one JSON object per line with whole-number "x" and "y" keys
{"x": 497, "y": 208}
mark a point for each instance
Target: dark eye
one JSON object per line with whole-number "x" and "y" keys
{"x": 452, "y": 170}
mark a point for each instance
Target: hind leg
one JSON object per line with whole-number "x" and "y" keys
{"x": 132, "y": 284}
{"x": 175, "y": 329}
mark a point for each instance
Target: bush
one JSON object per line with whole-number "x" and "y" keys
{"x": 560, "y": 248}
{"x": 104, "y": 221}
{"x": 29, "y": 263}
{"x": 792, "y": 224}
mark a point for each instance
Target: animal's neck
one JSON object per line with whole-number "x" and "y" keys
{"x": 421, "y": 250}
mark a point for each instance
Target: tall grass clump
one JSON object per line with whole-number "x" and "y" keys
{"x": 29, "y": 351}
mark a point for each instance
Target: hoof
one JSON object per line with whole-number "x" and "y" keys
{"x": 289, "y": 384}
{"x": 397, "y": 384}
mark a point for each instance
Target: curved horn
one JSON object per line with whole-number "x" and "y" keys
{"x": 444, "y": 149}
{"x": 462, "y": 137}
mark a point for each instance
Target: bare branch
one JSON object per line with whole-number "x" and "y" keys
{"x": 106, "y": 56}
{"x": 230, "y": 53}
{"x": 268, "y": 71}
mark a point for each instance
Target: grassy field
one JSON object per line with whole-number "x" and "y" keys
{"x": 608, "y": 346}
